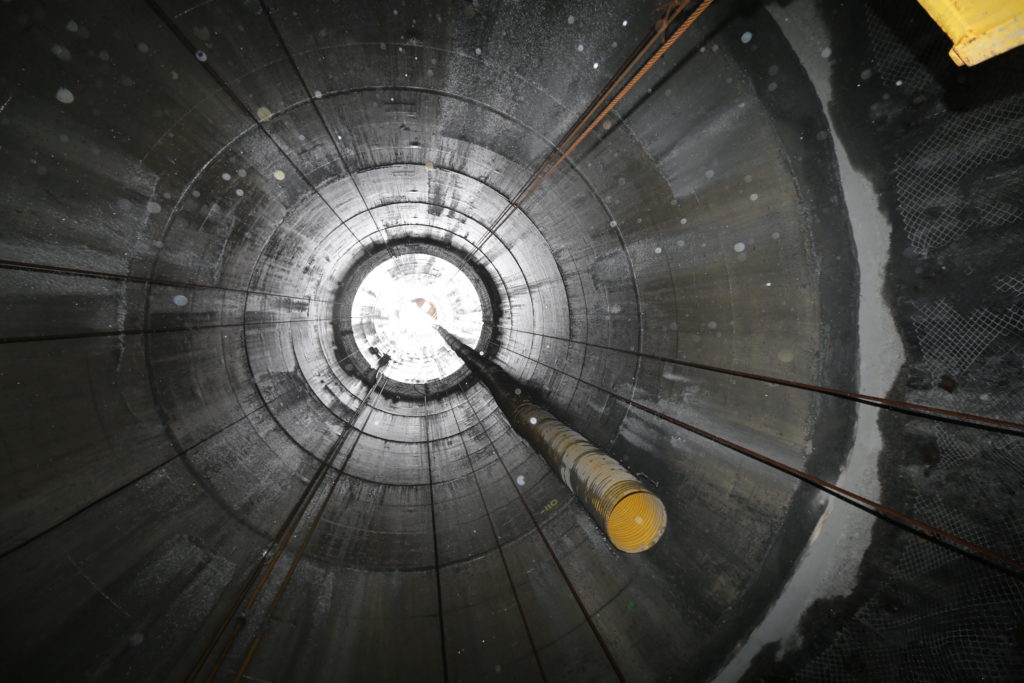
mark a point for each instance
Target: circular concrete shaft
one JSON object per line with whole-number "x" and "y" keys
{"x": 194, "y": 194}
{"x": 233, "y": 197}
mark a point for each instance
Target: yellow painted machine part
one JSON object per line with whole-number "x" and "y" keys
{"x": 980, "y": 29}
{"x": 636, "y": 522}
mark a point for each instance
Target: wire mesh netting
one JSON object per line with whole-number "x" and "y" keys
{"x": 936, "y": 614}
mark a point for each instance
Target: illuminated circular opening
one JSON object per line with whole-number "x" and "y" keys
{"x": 396, "y": 307}
{"x": 637, "y": 522}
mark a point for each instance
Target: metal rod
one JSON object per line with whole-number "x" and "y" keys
{"x": 278, "y": 545}
{"x": 670, "y": 11}
{"x": 632, "y": 517}
{"x": 103, "y": 275}
{"x": 156, "y": 330}
{"x": 966, "y": 419}
{"x": 873, "y": 507}
{"x": 497, "y": 539}
{"x": 433, "y": 534}
{"x": 310, "y": 532}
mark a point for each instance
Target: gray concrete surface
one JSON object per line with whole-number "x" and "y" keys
{"x": 187, "y": 192}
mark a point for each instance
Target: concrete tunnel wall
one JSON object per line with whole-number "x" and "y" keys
{"x": 145, "y": 473}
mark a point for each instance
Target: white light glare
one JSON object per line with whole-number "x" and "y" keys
{"x": 397, "y": 306}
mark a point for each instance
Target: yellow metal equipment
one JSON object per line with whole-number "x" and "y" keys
{"x": 980, "y": 29}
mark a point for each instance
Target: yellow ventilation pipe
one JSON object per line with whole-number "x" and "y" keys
{"x": 632, "y": 517}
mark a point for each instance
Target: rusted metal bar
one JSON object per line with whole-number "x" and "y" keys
{"x": 933, "y": 533}
{"x": 632, "y": 517}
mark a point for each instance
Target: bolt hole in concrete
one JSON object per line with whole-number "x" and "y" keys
{"x": 396, "y": 307}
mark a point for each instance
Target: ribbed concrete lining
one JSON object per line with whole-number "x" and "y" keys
{"x": 146, "y": 474}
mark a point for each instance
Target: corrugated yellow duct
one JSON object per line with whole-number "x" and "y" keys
{"x": 632, "y": 517}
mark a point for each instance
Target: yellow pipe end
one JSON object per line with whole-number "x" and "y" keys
{"x": 636, "y": 522}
